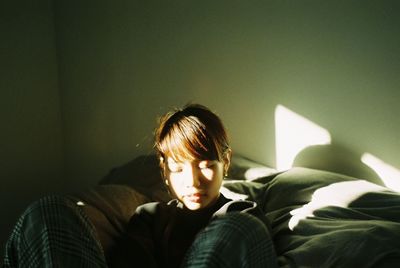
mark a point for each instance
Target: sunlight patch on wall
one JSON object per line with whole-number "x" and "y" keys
{"x": 293, "y": 133}
{"x": 389, "y": 174}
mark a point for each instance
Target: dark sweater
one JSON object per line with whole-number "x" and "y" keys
{"x": 159, "y": 234}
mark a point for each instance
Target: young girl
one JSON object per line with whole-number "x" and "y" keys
{"x": 199, "y": 228}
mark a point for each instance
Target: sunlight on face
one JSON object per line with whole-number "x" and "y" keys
{"x": 294, "y": 133}
{"x": 195, "y": 183}
{"x": 389, "y": 175}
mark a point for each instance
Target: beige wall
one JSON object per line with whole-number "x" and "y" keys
{"x": 123, "y": 63}
{"x": 31, "y": 140}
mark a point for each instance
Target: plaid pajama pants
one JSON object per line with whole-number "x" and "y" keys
{"x": 235, "y": 239}
{"x": 54, "y": 232}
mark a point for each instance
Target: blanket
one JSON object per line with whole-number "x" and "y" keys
{"x": 325, "y": 219}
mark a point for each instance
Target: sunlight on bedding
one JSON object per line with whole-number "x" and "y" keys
{"x": 389, "y": 174}
{"x": 258, "y": 172}
{"x": 293, "y": 133}
{"x": 339, "y": 194}
{"x": 231, "y": 194}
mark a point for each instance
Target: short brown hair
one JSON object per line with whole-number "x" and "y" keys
{"x": 193, "y": 132}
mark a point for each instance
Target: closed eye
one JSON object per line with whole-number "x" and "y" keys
{"x": 206, "y": 164}
{"x": 176, "y": 169}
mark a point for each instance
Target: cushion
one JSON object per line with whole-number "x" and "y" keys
{"x": 109, "y": 208}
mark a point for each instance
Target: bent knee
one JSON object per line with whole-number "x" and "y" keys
{"x": 240, "y": 225}
{"x": 239, "y": 220}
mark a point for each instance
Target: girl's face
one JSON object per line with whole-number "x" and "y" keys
{"x": 196, "y": 183}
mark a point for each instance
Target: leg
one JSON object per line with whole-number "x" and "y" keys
{"x": 233, "y": 240}
{"x": 54, "y": 232}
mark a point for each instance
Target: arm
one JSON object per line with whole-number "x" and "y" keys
{"x": 137, "y": 246}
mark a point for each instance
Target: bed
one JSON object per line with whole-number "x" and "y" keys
{"x": 318, "y": 218}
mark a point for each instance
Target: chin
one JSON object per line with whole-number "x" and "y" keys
{"x": 194, "y": 206}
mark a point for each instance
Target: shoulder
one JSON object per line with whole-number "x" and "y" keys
{"x": 148, "y": 208}
{"x": 238, "y": 206}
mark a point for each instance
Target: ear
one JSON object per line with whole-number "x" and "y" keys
{"x": 227, "y": 161}
{"x": 161, "y": 162}
{"x": 162, "y": 167}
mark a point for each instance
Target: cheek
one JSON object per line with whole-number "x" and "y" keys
{"x": 214, "y": 175}
{"x": 208, "y": 174}
{"x": 174, "y": 180}
{"x": 176, "y": 188}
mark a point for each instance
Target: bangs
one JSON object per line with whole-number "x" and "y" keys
{"x": 188, "y": 139}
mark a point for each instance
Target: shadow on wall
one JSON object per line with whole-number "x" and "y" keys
{"x": 336, "y": 158}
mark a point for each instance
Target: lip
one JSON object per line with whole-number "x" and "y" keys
{"x": 195, "y": 197}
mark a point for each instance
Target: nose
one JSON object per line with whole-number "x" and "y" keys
{"x": 192, "y": 177}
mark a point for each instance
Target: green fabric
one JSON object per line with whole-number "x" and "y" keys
{"x": 325, "y": 219}
{"x": 54, "y": 232}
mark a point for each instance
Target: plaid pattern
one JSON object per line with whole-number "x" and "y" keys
{"x": 54, "y": 232}
{"x": 232, "y": 240}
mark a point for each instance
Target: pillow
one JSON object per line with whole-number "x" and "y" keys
{"x": 141, "y": 174}
{"x": 109, "y": 208}
{"x": 243, "y": 168}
